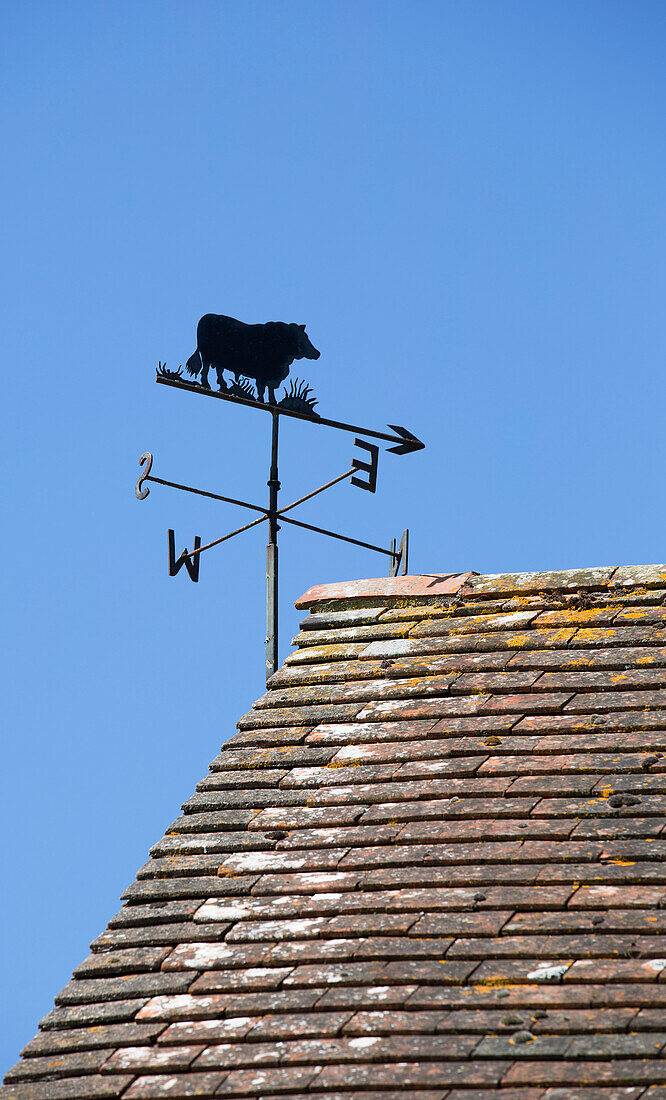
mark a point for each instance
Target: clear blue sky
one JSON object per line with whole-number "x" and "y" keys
{"x": 463, "y": 201}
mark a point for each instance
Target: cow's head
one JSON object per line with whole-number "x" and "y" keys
{"x": 304, "y": 349}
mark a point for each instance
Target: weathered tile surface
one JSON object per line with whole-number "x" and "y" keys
{"x": 431, "y": 865}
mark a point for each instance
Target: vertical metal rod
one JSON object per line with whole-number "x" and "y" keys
{"x": 272, "y": 557}
{"x": 271, "y": 609}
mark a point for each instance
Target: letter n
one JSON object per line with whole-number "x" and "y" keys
{"x": 191, "y": 564}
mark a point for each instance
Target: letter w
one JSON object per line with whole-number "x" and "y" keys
{"x": 191, "y": 564}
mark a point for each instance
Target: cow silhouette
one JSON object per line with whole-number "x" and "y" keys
{"x": 262, "y": 352}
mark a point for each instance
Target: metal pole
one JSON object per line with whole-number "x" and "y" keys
{"x": 272, "y": 556}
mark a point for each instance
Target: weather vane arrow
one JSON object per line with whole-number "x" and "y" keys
{"x": 263, "y": 353}
{"x": 406, "y": 441}
{"x": 410, "y": 442}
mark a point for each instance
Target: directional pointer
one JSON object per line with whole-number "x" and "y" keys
{"x": 410, "y": 442}
{"x": 406, "y": 441}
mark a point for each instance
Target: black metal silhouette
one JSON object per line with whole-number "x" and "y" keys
{"x": 244, "y": 388}
{"x": 173, "y": 375}
{"x": 264, "y": 352}
{"x": 299, "y": 398}
{"x": 369, "y": 467}
{"x": 190, "y": 563}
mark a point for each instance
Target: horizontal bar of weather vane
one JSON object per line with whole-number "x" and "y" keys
{"x": 405, "y": 439}
{"x": 266, "y": 515}
{"x": 244, "y": 503}
{"x": 225, "y": 538}
{"x": 203, "y": 493}
{"x": 334, "y": 481}
{"x": 342, "y": 538}
{"x": 296, "y": 523}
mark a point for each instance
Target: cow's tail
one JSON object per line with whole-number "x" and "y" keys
{"x": 194, "y": 363}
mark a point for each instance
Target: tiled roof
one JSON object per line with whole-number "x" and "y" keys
{"x": 431, "y": 865}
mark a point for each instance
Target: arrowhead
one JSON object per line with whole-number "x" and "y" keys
{"x": 410, "y": 442}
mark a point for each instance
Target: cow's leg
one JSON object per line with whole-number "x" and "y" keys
{"x": 271, "y": 396}
{"x": 220, "y": 378}
{"x": 261, "y": 390}
{"x": 204, "y": 373}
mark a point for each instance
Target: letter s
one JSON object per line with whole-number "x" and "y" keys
{"x": 140, "y": 493}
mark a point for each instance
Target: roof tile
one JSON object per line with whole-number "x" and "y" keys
{"x": 57, "y": 1065}
{"x": 181, "y": 1085}
{"x": 87, "y": 1087}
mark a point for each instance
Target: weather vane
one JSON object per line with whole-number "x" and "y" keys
{"x": 263, "y": 354}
